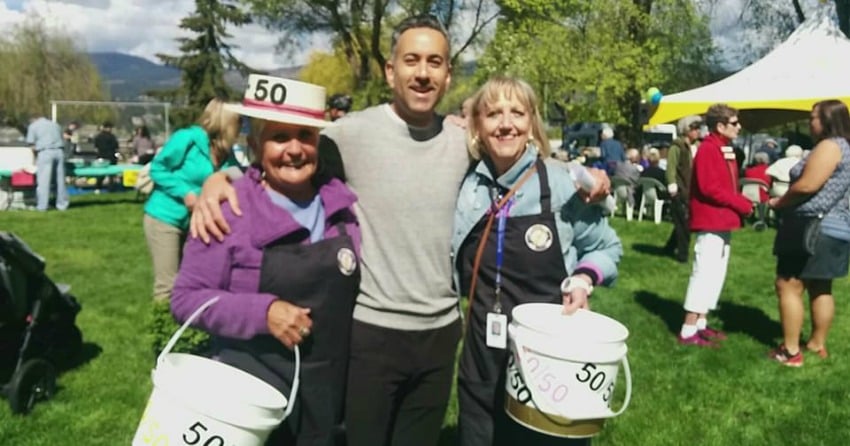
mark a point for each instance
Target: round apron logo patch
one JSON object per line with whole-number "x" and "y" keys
{"x": 538, "y": 237}
{"x": 346, "y": 260}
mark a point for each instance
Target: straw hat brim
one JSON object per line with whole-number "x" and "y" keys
{"x": 277, "y": 116}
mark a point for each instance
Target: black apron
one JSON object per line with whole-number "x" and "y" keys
{"x": 321, "y": 277}
{"x": 532, "y": 271}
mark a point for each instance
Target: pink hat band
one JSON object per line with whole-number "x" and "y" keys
{"x": 284, "y": 108}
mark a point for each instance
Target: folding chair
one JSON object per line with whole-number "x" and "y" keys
{"x": 751, "y": 188}
{"x": 651, "y": 190}
{"x": 621, "y": 188}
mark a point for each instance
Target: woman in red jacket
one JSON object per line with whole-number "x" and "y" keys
{"x": 716, "y": 209}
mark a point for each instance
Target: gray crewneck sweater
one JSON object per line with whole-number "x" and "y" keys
{"x": 406, "y": 181}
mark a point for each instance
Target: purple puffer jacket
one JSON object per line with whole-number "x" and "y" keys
{"x": 231, "y": 269}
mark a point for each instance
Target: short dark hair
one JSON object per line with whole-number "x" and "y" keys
{"x": 418, "y": 21}
{"x": 834, "y": 118}
{"x": 718, "y": 114}
{"x": 340, "y": 102}
{"x": 107, "y": 125}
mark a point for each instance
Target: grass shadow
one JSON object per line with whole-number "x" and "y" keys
{"x": 736, "y": 318}
{"x": 670, "y": 312}
{"x": 750, "y": 321}
{"x": 85, "y": 204}
{"x": 653, "y": 250}
{"x": 88, "y": 352}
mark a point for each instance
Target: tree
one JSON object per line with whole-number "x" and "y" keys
{"x": 40, "y": 65}
{"x": 766, "y": 23}
{"x": 594, "y": 58}
{"x": 205, "y": 57}
{"x": 359, "y": 29}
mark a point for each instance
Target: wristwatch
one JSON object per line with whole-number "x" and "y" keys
{"x": 569, "y": 284}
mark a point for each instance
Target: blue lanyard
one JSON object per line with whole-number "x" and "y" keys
{"x": 500, "y": 251}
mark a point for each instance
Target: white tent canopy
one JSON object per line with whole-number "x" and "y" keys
{"x": 811, "y": 65}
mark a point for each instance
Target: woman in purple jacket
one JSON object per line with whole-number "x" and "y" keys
{"x": 288, "y": 275}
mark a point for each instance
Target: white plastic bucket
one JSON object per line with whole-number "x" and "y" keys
{"x": 562, "y": 370}
{"x": 199, "y": 401}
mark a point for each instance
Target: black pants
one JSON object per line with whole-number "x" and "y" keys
{"x": 679, "y": 241}
{"x": 399, "y": 384}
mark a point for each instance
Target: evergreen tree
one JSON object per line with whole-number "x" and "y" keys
{"x": 205, "y": 57}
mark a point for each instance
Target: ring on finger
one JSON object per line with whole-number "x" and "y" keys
{"x": 304, "y": 332}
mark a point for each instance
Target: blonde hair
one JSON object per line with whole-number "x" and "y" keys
{"x": 653, "y": 155}
{"x": 509, "y": 88}
{"x": 222, "y": 127}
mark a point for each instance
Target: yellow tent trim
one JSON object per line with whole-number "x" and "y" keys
{"x": 672, "y": 111}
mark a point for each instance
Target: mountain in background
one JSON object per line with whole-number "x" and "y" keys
{"x": 130, "y": 77}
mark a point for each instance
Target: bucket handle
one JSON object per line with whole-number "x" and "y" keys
{"x": 537, "y": 399}
{"x": 290, "y": 402}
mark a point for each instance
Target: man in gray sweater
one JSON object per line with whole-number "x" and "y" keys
{"x": 405, "y": 167}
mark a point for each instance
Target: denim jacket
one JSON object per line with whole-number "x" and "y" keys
{"x": 585, "y": 237}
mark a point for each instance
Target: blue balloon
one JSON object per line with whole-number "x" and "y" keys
{"x": 655, "y": 99}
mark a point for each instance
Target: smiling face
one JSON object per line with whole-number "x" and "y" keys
{"x": 504, "y": 128}
{"x": 289, "y": 158}
{"x": 418, "y": 74}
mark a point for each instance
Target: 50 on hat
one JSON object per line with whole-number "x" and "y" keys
{"x": 283, "y": 100}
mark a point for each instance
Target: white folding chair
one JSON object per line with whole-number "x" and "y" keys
{"x": 621, "y": 189}
{"x": 651, "y": 189}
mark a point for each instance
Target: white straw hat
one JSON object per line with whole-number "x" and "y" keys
{"x": 283, "y": 100}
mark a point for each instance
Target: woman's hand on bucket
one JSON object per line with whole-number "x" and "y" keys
{"x": 575, "y": 293}
{"x": 288, "y": 323}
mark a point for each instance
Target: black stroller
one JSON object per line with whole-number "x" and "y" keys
{"x": 37, "y": 331}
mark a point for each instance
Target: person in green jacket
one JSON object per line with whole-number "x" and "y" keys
{"x": 679, "y": 160}
{"x": 178, "y": 172}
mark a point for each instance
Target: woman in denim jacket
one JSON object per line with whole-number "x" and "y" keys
{"x": 555, "y": 247}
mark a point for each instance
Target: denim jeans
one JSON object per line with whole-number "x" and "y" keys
{"x": 48, "y": 162}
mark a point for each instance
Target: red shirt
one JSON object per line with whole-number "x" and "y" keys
{"x": 759, "y": 172}
{"x": 716, "y": 204}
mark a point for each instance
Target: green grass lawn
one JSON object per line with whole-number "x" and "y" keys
{"x": 682, "y": 395}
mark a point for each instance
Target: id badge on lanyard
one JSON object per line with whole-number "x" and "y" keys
{"x": 497, "y": 322}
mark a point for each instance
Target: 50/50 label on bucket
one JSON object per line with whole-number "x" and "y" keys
{"x": 557, "y": 382}
{"x": 158, "y": 428}
{"x": 197, "y": 434}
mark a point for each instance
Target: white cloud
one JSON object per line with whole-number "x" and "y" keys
{"x": 143, "y": 28}
{"x": 147, "y": 27}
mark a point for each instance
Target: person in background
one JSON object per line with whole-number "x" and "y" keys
{"x": 780, "y": 170}
{"x": 716, "y": 208}
{"x": 679, "y": 160}
{"x": 46, "y": 138}
{"x": 812, "y": 242}
{"x": 106, "y": 144}
{"x": 771, "y": 148}
{"x": 573, "y": 250}
{"x": 143, "y": 146}
{"x": 663, "y": 152}
{"x": 611, "y": 150}
{"x": 630, "y": 170}
{"x": 72, "y": 139}
{"x": 653, "y": 170}
{"x": 338, "y": 106}
{"x": 288, "y": 274}
{"x": 178, "y": 171}
{"x": 758, "y": 171}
